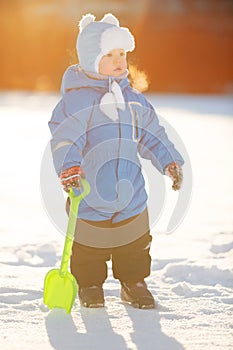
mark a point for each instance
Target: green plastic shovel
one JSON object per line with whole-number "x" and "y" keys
{"x": 60, "y": 286}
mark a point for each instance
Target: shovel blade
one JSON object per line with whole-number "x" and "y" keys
{"x": 60, "y": 290}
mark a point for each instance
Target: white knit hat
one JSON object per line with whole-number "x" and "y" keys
{"x": 96, "y": 39}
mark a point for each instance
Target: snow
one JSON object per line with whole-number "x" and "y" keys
{"x": 191, "y": 277}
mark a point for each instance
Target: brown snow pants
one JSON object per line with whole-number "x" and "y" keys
{"x": 130, "y": 262}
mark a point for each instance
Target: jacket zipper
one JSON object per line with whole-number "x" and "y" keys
{"x": 136, "y": 119}
{"x": 118, "y": 155}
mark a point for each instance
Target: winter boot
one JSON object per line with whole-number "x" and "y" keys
{"x": 137, "y": 294}
{"x": 92, "y": 296}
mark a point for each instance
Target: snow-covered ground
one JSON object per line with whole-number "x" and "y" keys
{"x": 192, "y": 275}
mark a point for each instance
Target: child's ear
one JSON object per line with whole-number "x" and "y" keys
{"x": 86, "y": 19}
{"x": 111, "y": 19}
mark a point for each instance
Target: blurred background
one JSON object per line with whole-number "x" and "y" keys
{"x": 184, "y": 46}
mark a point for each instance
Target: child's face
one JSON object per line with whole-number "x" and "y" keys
{"x": 113, "y": 63}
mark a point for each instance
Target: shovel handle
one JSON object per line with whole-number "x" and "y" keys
{"x": 83, "y": 194}
{"x": 75, "y": 201}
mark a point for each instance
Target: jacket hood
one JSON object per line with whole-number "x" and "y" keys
{"x": 76, "y": 78}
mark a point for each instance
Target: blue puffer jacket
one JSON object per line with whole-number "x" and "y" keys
{"x": 107, "y": 150}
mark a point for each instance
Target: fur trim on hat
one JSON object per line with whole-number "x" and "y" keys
{"x": 116, "y": 38}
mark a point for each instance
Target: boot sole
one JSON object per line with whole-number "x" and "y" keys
{"x": 93, "y": 305}
{"x": 138, "y": 306}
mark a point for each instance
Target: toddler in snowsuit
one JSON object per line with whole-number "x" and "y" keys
{"x": 98, "y": 129}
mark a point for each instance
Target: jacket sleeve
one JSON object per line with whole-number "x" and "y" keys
{"x": 154, "y": 143}
{"x": 68, "y": 136}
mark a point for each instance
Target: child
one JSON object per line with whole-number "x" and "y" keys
{"x": 98, "y": 128}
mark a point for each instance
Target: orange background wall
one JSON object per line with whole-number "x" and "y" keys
{"x": 183, "y": 45}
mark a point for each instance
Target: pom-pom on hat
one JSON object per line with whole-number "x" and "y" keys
{"x": 96, "y": 39}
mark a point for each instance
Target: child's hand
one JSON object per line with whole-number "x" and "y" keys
{"x": 175, "y": 172}
{"x": 72, "y": 178}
